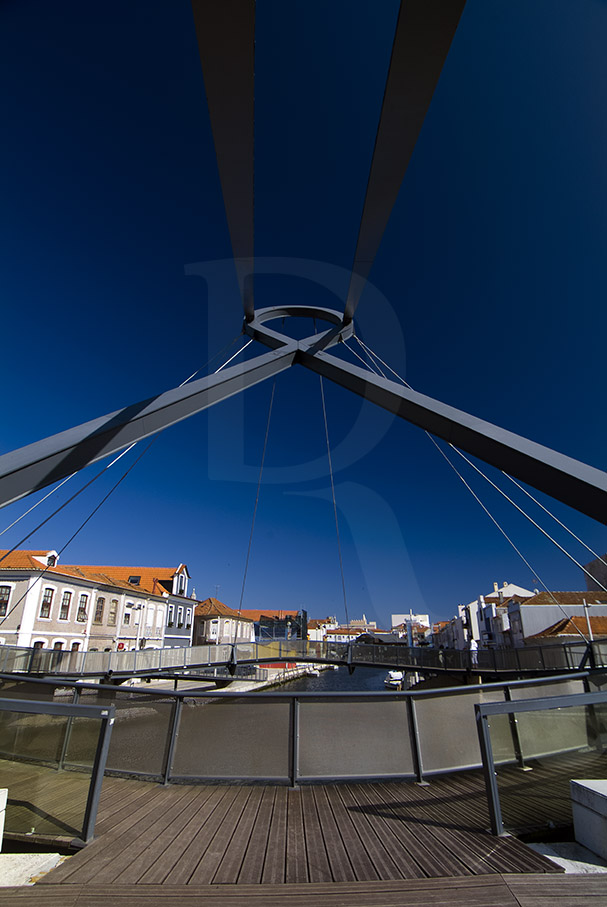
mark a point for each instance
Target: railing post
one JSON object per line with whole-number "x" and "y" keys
{"x": 516, "y": 740}
{"x": 493, "y": 797}
{"x": 68, "y": 730}
{"x": 294, "y": 741}
{"x": 90, "y": 813}
{"x": 173, "y": 732}
{"x": 416, "y": 752}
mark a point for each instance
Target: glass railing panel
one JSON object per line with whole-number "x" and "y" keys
{"x": 140, "y": 733}
{"x": 447, "y": 729}
{"x": 600, "y": 653}
{"x": 353, "y": 738}
{"x": 15, "y": 658}
{"x": 43, "y": 797}
{"x": 557, "y": 745}
{"x": 21, "y": 689}
{"x": 547, "y": 688}
{"x": 234, "y": 739}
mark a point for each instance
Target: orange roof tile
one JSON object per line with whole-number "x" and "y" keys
{"x": 212, "y": 606}
{"x": 22, "y": 560}
{"x": 151, "y": 577}
{"x": 574, "y": 626}
{"x": 155, "y": 580}
{"x": 257, "y": 613}
{"x": 567, "y": 598}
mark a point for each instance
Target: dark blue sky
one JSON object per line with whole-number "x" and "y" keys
{"x": 488, "y": 291}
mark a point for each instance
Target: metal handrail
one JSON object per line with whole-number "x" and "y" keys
{"x": 484, "y": 711}
{"x": 520, "y": 659}
{"x": 408, "y": 697}
{"x": 105, "y": 715}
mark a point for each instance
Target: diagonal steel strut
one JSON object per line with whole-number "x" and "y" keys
{"x": 33, "y": 467}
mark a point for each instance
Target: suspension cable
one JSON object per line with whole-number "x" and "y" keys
{"x": 69, "y": 500}
{"x": 556, "y": 519}
{"x": 526, "y": 515}
{"x": 237, "y": 353}
{"x": 263, "y": 457}
{"x": 341, "y": 563}
{"x": 37, "y": 504}
{"x": 503, "y": 493}
{"x": 81, "y": 526}
{"x": 506, "y": 536}
{"x": 115, "y": 460}
{"x": 550, "y": 593}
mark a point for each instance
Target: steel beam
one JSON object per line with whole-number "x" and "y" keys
{"x": 225, "y": 30}
{"x": 423, "y": 36}
{"x": 574, "y": 483}
{"x": 44, "y": 462}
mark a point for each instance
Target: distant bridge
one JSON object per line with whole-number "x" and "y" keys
{"x": 219, "y": 662}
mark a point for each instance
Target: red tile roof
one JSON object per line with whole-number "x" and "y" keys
{"x": 256, "y": 613}
{"x": 574, "y": 626}
{"x": 567, "y": 598}
{"x": 155, "y": 580}
{"x": 212, "y": 607}
{"x": 22, "y": 560}
{"x": 315, "y": 623}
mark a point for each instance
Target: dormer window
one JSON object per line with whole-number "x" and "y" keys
{"x": 51, "y": 560}
{"x": 134, "y": 580}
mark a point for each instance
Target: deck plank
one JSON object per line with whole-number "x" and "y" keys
{"x": 206, "y": 826}
{"x": 354, "y": 843}
{"x": 253, "y": 862}
{"x": 319, "y": 867}
{"x": 296, "y": 869}
{"x": 218, "y": 844}
{"x": 183, "y": 849}
{"x": 231, "y": 862}
{"x": 276, "y": 851}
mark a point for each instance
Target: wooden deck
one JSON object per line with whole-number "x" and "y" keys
{"x": 230, "y": 834}
{"x": 461, "y": 891}
{"x": 342, "y": 845}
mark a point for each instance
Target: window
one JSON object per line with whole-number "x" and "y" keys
{"x": 112, "y": 613}
{"x": 188, "y": 620}
{"x": 51, "y": 560}
{"x": 75, "y": 646}
{"x": 99, "y": 606}
{"x": 64, "y": 610}
{"x": 134, "y": 580}
{"x": 5, "y": 594}
{"x": 57, "y": 646}
{"x": 47, "y": 601}
{"x": 180, "y": 617}
{"x": 81, "y": 616}
{"x": 126, "y": 618}
{"x": 171, "y": 616}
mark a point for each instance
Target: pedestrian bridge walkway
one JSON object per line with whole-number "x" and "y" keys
{"x": 496, "y": 662}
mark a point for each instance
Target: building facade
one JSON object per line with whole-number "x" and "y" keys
{"x": 218, "y": 624}
{"x": 44, "y": 604}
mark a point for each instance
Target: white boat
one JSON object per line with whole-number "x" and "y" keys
{"x": 394, "y": 680}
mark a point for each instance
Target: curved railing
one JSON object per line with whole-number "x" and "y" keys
{"x": 534, "y": 659}
{"x": 288, "y": 738}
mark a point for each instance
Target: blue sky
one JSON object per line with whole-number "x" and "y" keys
{"x": 488, "y": 290}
